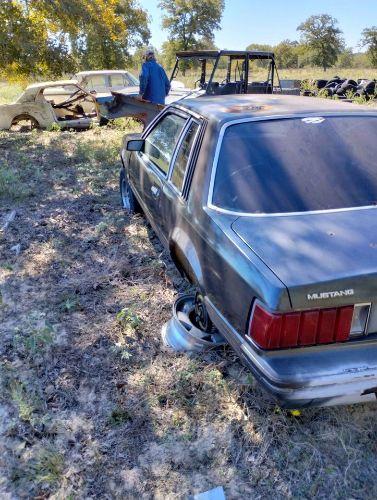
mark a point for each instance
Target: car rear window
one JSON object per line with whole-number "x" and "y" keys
{"x": 131, "y": 79}
{"x": 297, "y": 165}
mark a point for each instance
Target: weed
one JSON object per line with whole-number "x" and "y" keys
{"x": 125, "y": 125}
{"x": 6, "y": 266}
{"x": 23, "y": 400}
{"x": 54, "y": 127}
{"x": 120, "y": 350}
{"x": 34, "y": 340}
{"x": 101, "y": 227}
{"x": 119, "y": 416}
{"x": 45, "y": 468}
{"x": 178, "y": 419}
{"x": 70, "y": 303}
{"x": 128, "y": 319}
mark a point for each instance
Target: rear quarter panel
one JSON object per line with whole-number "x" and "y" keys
{"x": 42, "y": 112}
{"x": 204, "y": 245}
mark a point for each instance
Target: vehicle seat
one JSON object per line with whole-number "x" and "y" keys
{"x": 230, "y": 88}
{"x": 259, "y": 88}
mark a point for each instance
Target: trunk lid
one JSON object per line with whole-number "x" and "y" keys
{"x": 324, "y": 259}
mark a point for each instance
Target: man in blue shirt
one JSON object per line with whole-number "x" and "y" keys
{"x": 154, "y": 84}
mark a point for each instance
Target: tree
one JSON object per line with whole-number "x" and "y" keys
{"x": 287, "y": 54}
{"x": 191, "y": 24}
{"x": 322, "y": 39}
{"x": 369, "y": 39}
{"x": 100, "y": 33}
{"x": 263, "y": 47}
{"x": 48, "y": 38}
{"x": 171, "y": 47}
{"x": 25, "y": 42}
{"x": 346, "y": 58}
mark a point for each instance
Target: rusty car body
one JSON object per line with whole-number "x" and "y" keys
{"x": 61, "y": 103}
{"x": 267, "y": 204}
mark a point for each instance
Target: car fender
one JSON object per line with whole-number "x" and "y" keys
{"x": 41, "y": 113}
{"x": 185, "y": 256}
{"x": 6, "y": 117}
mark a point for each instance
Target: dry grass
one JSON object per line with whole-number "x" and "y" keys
{"x": 318, "y": 73}
{"x": 91, "y": 404}
{"x": 260, "y": 74}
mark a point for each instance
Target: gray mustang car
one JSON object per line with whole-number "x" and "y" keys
{"x": 268, "y": 205}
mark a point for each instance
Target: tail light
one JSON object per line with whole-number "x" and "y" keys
{"x": 320, "y": 326}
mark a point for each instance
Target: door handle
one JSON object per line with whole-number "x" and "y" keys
{"x": 155, "y": 191}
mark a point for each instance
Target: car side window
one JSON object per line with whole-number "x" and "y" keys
{"x": 117, "y": 80}
{"x": 182, "y": 160}
{"x": 162, "y": 140}
{"x": 96, "y": 82}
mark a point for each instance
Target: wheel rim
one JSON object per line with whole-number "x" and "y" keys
{"x": 125, "y": 193}
{"x": 201, "y": 314}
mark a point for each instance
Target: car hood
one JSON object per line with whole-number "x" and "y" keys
{"x": 318, "y": 253}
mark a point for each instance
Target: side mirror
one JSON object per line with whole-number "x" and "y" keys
{"x": 135, "y": 145}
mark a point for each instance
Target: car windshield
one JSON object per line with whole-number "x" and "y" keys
{"x": 297, "y": 165}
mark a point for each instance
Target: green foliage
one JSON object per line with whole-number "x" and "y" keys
{"x": 34, "y": 340}
{"x": 41, "y": 37}
{"x": 346, "y": 58}
{"x": 70, "y": 304}
{"x": 128, "y": 319}
{"x": 119, "y": 416}
{"x": 45, "y": 468}
{"x": 27, "y": 46}
{"x": 369, "y": 40}
{"x": 190, "y": 23}
{"x": 260, "y": 46}
{"x": 322, "y": 39}
{"x": 287, "y": 54}
{"x": 22, "y": 400}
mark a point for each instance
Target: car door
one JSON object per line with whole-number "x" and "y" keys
{"x": 172, "y": 201}
{"x": 150, "y": 168}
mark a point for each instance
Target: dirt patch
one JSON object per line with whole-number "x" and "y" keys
{"x": 91, "y": 404}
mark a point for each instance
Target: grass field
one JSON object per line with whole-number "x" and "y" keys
{"x": 260, "y": 74}
{"x": 313, "y": 73}
{"x": 91, "y": 404}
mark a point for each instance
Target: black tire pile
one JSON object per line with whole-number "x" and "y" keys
{"x": 343, "y": 88}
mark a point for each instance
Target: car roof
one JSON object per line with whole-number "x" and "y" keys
{"x": 57, "y": 83}
{"x": 213, "y": 54}
{"x": 101, "y": 72}
{"x": 234, "y": 107}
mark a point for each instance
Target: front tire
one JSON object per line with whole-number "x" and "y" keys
{"x": 127, "y": 198}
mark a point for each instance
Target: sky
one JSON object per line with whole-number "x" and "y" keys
{"x": 271, "y": 21}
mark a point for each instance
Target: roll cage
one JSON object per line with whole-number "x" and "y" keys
{"x": 238, "y": 76}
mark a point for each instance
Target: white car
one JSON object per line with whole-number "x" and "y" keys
{"x": 64, "y": 103}
{"x": 105, "y": 81}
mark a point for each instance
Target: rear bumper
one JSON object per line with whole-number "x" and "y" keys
{"x": 311, "y": 376}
